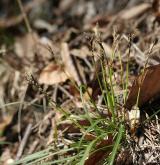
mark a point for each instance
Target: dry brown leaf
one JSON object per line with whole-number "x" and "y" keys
{"x": 89, "y": 137}
{"x": 25, "y": 46}
{"x": 108, "y": 50}
{"x": 70, "y": 69}
{"x": 52, "y": 74}
{"x": 83, "y": 52}
{"x": 135, "y": 11}
{"x": 73, "y": 91}
{"x": 149, "y": 87}
{"x": 87, "y": 94}
{"x": 69, "y": 127}
{"x": 30, "y": 44}
{"x": 44, "y": 48}
{"x": 99, "y": 155}
{"x": 41, "y": 24}
{"x": 65, "y": 5}
{"x": 5, "y": 122}
{"x": 6, "y": 157}
{"x": 14, "y": 20}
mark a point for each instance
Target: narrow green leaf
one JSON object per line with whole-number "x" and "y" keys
{"x": 117, "y": 144}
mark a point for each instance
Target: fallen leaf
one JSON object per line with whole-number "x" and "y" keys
{"x": 52, "y": 74}
{"x": 14, "y": 20}
{"x": 108, "y": 50}
{"x": 149, "y": 87}
{"x": 99, "y": 155}
{"x": 25, "y": 46}
{"x": 102, "y": 20}
{"x": 83, "y": 52}
{"x": 30, "y": 45}
{"x": 70, "y": 68}
{"x": 89, "y": 137}
{"x": 5, "y": 122}
{"x": 6, "y": 157}
{"x": 135, "y": 11}
{"x": 41, "y": 24}
{"x": 73, "y": 91}
{"x": 65, "y": 5}
{"x": 69, "y": 127}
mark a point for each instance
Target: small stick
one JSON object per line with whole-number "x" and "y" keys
{"x": 24, "y": 141}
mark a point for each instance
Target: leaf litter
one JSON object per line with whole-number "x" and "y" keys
{"x": 60, "y": 58}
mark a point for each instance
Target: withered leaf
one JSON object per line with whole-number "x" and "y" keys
{"x": 69, "y": 127}
{"x": 70, "y": 68}
{"x": 99, "y": 155}
{"x": 135, "y": 11}
{"x": 5, "y": 122}
{"x": 52, "y": 74}
{"x": 149, "y": 85}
